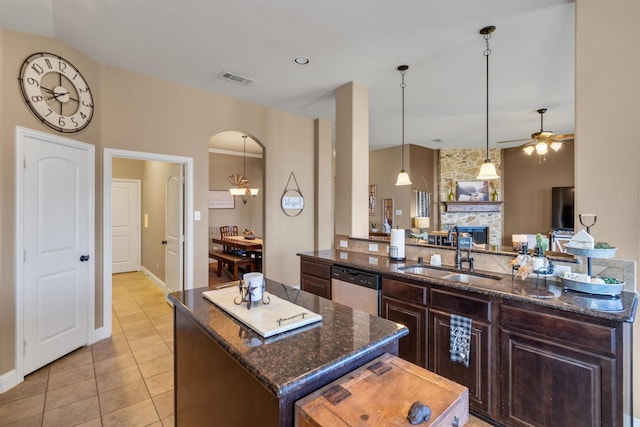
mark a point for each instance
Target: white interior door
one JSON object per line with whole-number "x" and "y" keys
{"x": 125, "y": 225}
{"x": 58, "y": 256}
{"x": 174, "y": 229}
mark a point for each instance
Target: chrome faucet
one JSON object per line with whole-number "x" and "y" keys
{"x": 459, "y": 258}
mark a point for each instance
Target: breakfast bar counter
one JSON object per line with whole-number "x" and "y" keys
{"x": 227, "y": 374}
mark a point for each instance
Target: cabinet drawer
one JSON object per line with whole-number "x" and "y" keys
{"x": 316, "y": 285}
{"x": 404, "y": 291}
{"x": 316, "y": 269}
{"x": 452, "y": 302}
{"x": 594, "y": 337}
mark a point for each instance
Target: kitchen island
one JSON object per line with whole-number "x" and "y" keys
{"x": 227, "y": 374}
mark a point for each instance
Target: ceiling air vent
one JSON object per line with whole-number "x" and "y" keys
{"x": 236, "y": 78}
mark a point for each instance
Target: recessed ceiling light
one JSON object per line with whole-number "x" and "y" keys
{"x": 436, "y": 140}
{"x": 301, "y": 60}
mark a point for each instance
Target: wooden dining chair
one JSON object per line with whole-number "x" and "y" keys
{"x": 226, "y": 231}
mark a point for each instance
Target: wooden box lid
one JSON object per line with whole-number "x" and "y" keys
{"x": 380, "y": 393}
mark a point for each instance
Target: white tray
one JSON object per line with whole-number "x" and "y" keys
{"x": 263, "y": 318}
{"x": 592, "y": 288}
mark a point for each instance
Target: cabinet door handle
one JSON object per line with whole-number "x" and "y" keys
{"x": 164, "y": 242}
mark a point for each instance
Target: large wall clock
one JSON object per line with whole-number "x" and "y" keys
{"x": 56, "y": 92}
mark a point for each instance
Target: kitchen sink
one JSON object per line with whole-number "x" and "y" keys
{"x": 424, "y": 271}
{"x": 470, "y": 279}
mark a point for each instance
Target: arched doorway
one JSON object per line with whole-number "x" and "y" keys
{"x": 235, "y": 152}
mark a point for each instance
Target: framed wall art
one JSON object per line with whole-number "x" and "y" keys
{"x": 221, "y": 199}
{"x": 372, "y": 199}
{"x": 472, "y": 191}
{"x": 387, "y": 213}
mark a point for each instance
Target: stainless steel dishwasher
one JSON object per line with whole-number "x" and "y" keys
{"x": 356, "y": 288}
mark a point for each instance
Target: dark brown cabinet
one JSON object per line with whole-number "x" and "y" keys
{"x": 479, "y": 377}
{"x": 560, "y": 371}
{"x": 405, "y": 303}
{"x": 531, "y": 364}
{"x": 315, "y": 277}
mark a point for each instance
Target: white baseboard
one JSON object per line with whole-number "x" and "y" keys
{"x": 99, "y": 334}
{"x": 8, "y": 381}
{"x": 159, "y": 283}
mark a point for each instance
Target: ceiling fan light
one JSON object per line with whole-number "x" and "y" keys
{"x": 555, "y": 145}
{"x": 487, "y": 171}
{"x": 403, "y": 178}
{"x": 529, "y": 149}
{"x": 542, "y": 148}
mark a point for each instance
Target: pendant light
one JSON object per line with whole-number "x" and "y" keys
{"x": 240, "y": 182}
{"x": 488, "y": 169}
{"x": 403, "y": 176}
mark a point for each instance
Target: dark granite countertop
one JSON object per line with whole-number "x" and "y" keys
{"x": 286, "y": 361}
{"x": 547, "y": 294}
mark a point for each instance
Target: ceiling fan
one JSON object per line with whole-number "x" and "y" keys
{"x": 541, "y": 141}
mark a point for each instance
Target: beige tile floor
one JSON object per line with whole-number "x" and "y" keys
{"x": 125, "y": 380}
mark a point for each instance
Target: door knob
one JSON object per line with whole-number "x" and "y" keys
{"x": 164, "y": 242}
{"x": 84, "y": 258}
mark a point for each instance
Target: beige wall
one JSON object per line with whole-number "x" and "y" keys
{"x": 527, "y": 189}
{"x": 126, "y": 168}
{"x": 138, "y": 113}
{"x": 607, "y": 149}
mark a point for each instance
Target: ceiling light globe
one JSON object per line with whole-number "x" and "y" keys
{"x": 487, "y": 171}
{"x": 555, "y": 146}
{"x": 403, "y": 178}
{"x": 529, "y": 149}
{"x": 542, "y": 148}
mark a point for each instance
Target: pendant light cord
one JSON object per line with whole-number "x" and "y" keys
{"x": 403, "y": 85}
{"x": 487, "y": 52}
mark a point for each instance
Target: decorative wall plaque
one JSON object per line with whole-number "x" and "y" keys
{"x": 292, "y": 201}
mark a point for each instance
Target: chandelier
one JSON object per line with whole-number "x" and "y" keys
{"x": 241, "y": 187}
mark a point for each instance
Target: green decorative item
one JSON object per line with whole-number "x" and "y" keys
{"x": 451, "y": 197}
{"x": 541, "y": 246}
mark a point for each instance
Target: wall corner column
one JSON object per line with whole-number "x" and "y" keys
{"x": 352, "y": 160}
{"x": 323, "y": 185}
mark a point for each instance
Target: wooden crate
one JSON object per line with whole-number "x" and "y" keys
{"x": 380, "y": 393}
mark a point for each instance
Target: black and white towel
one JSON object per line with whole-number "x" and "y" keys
{"x": 460, "y": 339}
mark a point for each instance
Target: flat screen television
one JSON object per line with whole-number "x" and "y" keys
{"x": 562, "y": 203}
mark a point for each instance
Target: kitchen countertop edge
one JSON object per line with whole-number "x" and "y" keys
{"x": 507, "y": 287}
{"x": 270, "y": 367}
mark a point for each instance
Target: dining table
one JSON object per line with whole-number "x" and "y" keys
{"x": 239, "y": 242}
